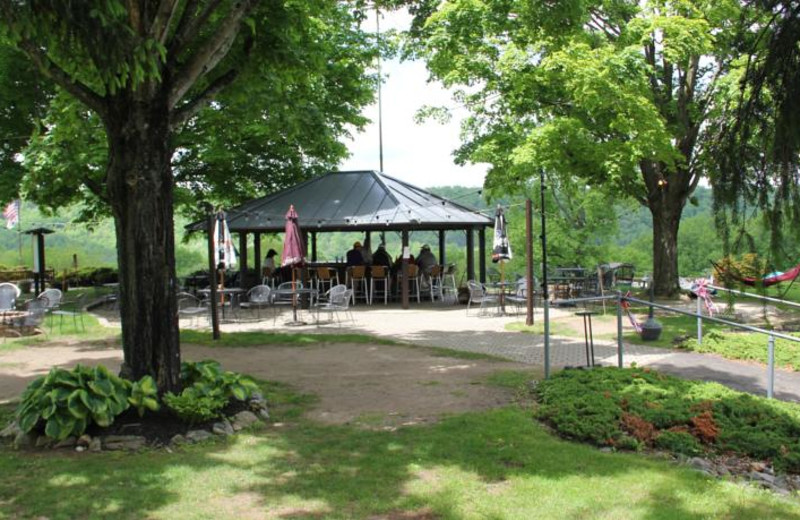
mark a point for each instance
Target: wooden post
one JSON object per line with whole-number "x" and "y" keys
{"x": 257, "y": 255}
{"x": 404, "y": 269}
{"x": 442, "y": 252}
{"x": 482, "y": 252}
{"x": 313, "y": 246}
{"x": 212, "y": 271}
{"x": 470, "y": 255}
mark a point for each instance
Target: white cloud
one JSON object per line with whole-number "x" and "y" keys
{"x": 421, "y": 154}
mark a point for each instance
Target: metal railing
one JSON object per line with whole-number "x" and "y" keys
{"x": 771, "y": 335}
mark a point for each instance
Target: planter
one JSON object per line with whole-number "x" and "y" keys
{"x": 651, "y": 330}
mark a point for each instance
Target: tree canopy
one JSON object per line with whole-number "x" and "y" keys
{"x": 610, "y": 94}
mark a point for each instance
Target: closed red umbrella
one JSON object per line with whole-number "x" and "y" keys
{"x": 293, "y": 250}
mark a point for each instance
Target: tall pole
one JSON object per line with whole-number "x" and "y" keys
{"x": 212, "y": 270}
{"x": 529, "y": 266}
{"x": 544, "y": 282}
{"x": 380, "y": 104}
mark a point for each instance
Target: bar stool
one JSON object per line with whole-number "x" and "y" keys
{"x": 357, "y": 281}
{"x": 449, "y": 282}
{"x": 414, "y": 277}
{"x": 435, "y": 282}
{"x": 379, "y": 274}
{"x": 326, "y": 279}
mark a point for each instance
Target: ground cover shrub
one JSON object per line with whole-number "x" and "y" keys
{"x": 207, "y": 389}
{"x": 66, "y": 402}
{"x": 637, "y": 407}
{"x": 747, "y": 345}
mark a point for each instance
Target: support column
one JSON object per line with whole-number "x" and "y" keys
{"x": 257, "y": 254}
{"x": 442, "y": 253}
{"x": 242, "y": 255}
{"x": 482, "y": 252}
{"x": 404, "y": 270}
{"x": 470, "y": 254}
{"x": 313, "y": 246}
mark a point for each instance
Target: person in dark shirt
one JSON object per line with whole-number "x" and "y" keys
{"x": 354, "y": 256}
{"x": 381, "y": 257}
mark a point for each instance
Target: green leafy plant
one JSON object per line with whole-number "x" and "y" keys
{"x": 208, "y": 374}
{"x": 68, "y": 401}
{"x": 678, "y": 442}
{"x": 193, "y": 406}
{"x": 144, "y": 395}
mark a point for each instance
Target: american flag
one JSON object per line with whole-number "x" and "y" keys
{"x": 11, "y": 214}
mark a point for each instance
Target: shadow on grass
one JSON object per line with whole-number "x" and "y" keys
{"x": 496, "y": 464}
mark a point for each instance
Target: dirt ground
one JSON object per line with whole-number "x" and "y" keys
{"x": 370, "y": 385}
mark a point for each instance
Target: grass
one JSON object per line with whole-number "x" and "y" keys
{"x": 749, "y": 346}
{"x": 93, "y": 330}
{"x": 259, "y": 338}
{"x": 677, "y": 329}
{"x": 557, "y": 328}
{"x": 489, "y": 465}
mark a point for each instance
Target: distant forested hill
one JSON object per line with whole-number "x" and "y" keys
{"x": 95, "y": 245}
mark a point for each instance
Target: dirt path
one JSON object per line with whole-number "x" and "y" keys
{"x": 373, "y": 385}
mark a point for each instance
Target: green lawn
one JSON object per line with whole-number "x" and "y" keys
{"x": 498, "y": 464}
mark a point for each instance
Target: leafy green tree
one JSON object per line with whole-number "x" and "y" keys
{"x": 148, "y": 84}
{"x": 609, "y": 94}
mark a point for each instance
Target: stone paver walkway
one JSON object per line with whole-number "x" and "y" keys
{"x": 450, "y": 327}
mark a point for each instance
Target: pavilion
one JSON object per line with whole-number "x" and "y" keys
{"x": 363, "y": 201}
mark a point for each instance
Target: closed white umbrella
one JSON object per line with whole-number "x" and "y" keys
{"x": 224, "y": 251}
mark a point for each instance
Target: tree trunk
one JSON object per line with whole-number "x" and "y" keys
{"x": 666, "y": 210}
{"x": 140, "y": 191}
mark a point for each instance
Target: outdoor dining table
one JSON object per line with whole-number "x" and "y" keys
{"x": 7, "y": 318}
{"x": 232, "y": 294}
{"x": 500, "y": 289}
{"x": 299, "y": 293}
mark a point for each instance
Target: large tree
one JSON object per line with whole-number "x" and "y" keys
{"x": 145, "y": 84}
{"x": 611, "y": 94}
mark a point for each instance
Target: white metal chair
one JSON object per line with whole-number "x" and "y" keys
{"x": 74, "y": 308}
{"x": 32, "y": 321}
{"x": 190, "y": 306}
{"x": 258, "y": 297}
{"x": 8, "y": 296}
{"x": 338, "y": 302}
{"x": 449, "y": 287}
{"x": 478, "y": 295}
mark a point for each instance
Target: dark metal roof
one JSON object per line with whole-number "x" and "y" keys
{"x": 353, "y": 201}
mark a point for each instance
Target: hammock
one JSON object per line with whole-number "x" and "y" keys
{"x": 770, "y": 279}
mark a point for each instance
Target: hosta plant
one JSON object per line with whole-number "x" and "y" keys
{"x": 208, "y": 374}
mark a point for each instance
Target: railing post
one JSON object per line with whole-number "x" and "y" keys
{"x": 619, "y": 329}
{"x": 770, "y": 366}
{"x": 699, "y": 321}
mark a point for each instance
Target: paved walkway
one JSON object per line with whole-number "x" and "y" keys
{"x": 450, "y": 327}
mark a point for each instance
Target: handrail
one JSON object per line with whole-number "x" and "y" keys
{"x": 716, "y": 320}
{"x": 757, "y": 296}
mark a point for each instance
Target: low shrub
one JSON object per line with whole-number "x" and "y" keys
{"x": 66, "y": 402}
{"x": 194, "y": 407}
{"x": 207, "y": 389}
{"x": 678, "y": 441}
{"x": 626, "y": 408}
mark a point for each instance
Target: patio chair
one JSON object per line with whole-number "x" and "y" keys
{"x": 8, "y": 296}
{"x": 258, "y": 297}
{"x": 414, "y": 279}
{"x": 338, "y": 303}
{"x": 449, "y": 287}
{"x": 379, "y": 274}
{"x": 434, "y": 279}
{"x": 190, "y": 306}
{"x": 283, "y": 297}
{"x": 326, "y": 278}
{"x": 74, "y": 308}
{"x": 478, "y": 296}
{"x": 519, "y": 299}
{"x": 357, "y": 281}
{"x": 32, "y": 321}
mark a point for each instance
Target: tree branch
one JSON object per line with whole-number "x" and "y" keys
{"x": 95, "y": 188}
{"x": 51, "y": 70}
{"x": 189, "y": 109}
{"x": 209, "y": 54}
{"x": 159, "y": 29}
{"x": 189, "y": 26}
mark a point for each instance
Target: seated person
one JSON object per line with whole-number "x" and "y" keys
{"x": 354, "y": 256}
{"x": 426, "y": 260}
{"x": 269, "y": 260}
{"x": 381, "y": 257}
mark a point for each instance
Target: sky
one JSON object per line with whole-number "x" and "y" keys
{"x": 420, "y": 154}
